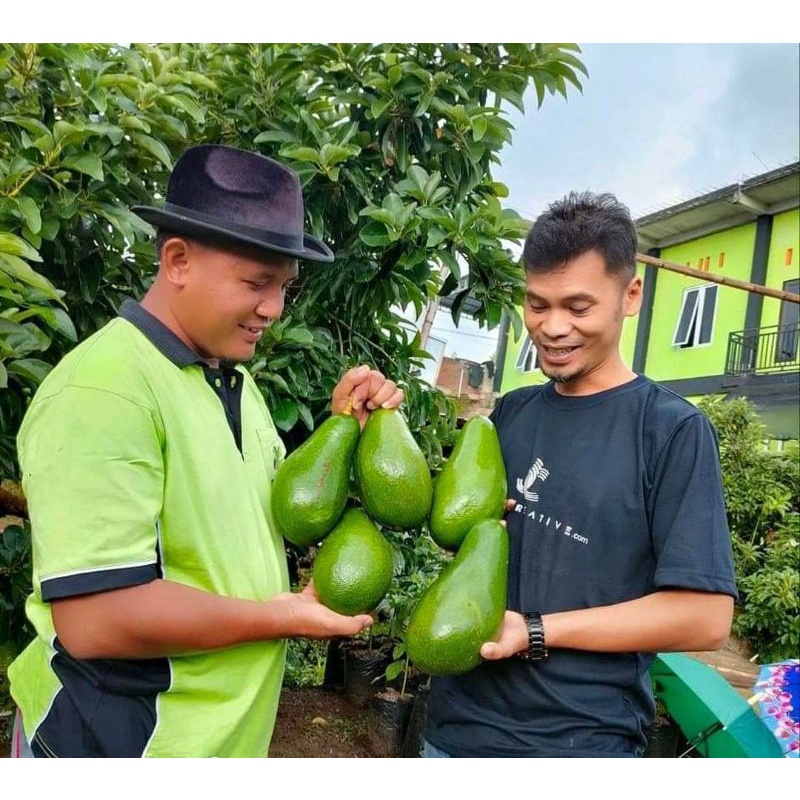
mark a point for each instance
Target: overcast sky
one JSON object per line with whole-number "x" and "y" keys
{"x": 656, "y": 124}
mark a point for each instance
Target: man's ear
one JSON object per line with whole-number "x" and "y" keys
{"x": 632, "y": 301}
{"x": 175, "y": 260}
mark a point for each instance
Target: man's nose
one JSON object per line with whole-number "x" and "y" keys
{"x": 556, "y": 324}
{"x": 271, "y": 305}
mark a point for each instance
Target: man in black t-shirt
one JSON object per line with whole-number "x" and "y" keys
{"x": 619, "y": 546}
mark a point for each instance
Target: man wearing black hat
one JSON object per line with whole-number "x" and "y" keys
{"x": 161, "y": 597}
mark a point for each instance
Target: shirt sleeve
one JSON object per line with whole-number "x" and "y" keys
{"x": 687, "y": 511}
{"x": 93, "y": 474}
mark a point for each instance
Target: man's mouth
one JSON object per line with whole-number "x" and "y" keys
{"x": 557, "y": 352}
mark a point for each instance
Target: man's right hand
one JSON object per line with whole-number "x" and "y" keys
{"x": 307, "y": 617}
{"x": 163, "y": 618}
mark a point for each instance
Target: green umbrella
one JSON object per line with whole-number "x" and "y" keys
{"x": 715, "y": 719}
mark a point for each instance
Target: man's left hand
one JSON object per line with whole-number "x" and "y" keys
{"x": 369, "y": 389}
{"x": 513, "y": 638}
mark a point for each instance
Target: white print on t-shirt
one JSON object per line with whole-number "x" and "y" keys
{"x": 551, "y": 522}
{"x": 538, "y": 472}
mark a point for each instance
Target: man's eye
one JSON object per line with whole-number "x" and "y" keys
{"x": 537, "y": 309}
{"x": 255, "y": 284}
{"x": 580, "y": 309}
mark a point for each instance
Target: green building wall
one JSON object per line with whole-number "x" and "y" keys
{"x": 665, "y": 361}
{"x": 785, "y": 237}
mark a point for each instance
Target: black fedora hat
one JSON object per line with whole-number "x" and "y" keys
{"x": 228, "y": 195}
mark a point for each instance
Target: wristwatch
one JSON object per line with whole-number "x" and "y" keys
{"x": 537, "y": 650}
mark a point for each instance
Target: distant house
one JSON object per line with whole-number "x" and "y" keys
{"x": 468, "y": 383}
{"x": 701, "y": 338}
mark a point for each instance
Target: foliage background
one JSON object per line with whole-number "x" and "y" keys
{"x": 394, "y": 145}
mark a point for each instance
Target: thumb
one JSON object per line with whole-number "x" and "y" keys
{"x": 491, "y": 651}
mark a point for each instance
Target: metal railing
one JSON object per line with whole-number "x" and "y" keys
{"x": 763, "y": 350}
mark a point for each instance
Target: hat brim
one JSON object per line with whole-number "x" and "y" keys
{"x": 313, "y": 249}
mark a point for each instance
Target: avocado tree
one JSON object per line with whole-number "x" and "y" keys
{"x": 394, "y": 144}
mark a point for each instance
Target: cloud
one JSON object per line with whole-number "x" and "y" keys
{"x": 658, "y": 124}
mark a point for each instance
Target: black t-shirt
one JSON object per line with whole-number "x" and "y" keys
{"x": 618, "y": 494}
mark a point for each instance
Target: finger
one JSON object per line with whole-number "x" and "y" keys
{"x": 381, "y": 395}
{"x": 510, "y": 504}
{"x": 395, "y": 400}
{"x": 310, "y": 590}
{"x": 492, "y": 651}
{"x": 366, "y": 387}
{"x": 347, "y": 385}
{"x": 353, "y": 625}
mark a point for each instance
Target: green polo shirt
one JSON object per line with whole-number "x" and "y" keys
{"x": 141, "y": 462}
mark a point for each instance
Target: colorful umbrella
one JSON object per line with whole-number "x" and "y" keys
{"x": 777, "y": 689}
{"x": 715, "y": 719}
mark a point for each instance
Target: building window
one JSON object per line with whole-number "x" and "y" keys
{"x": 526, "y": 360}
{"x": 786, "y": 344}
{"x": 696, "y": 320}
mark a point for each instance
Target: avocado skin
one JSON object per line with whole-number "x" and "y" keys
{"x": 471, "y": 486}
{"x": 311, "y": 486}
{"x": 464, "y": 607}
{"x": 393, "y": 477}
{"x": 353, "y": 569}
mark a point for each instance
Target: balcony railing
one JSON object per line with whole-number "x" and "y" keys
{"x": 763, "y": 350}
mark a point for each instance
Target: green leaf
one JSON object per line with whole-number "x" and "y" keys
{"x": 331, "y": 154}
{"x": 29, "y": 210}
{"x": 299, "y": 336}
{"x": 15, "y": 246}
{"x": 88, "y": 164}
{"x": 33, "y": 126}
{"x": 374, "y": 234}
{"x": 450, "y": 261}
{"x": 188, "y": 105}
{"x": 64, "y": 325}
{"x": 301, "y": 153}
{"x": 305, "y": 416}
{"x": 33, "y": 369}
{"x": 479, "y": 125}
{"x": 21, "y": 271}
{"x": 274, "y": 136}
{"x": 3, "y": 376}
{"x": 113, "y": 132}
{"x": 154, "y": 146}
{"x": 394, "y": 669}
{"x": 285, "y": 414}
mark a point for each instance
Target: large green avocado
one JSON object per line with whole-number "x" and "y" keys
{"x": 471, "y": 486}
{"x": 464, "y": 607}
{"x": 393, "y": 478}
{"x": 353, "y": 568}
{"x": 310, "y": 488}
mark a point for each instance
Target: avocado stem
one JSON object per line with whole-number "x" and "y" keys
{"x": 348, "y": 406}
{"x": 405, "y": 678}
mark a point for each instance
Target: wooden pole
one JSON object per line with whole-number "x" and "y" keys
{"x": 755, "y": 288}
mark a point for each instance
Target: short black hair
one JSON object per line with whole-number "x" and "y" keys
{"x": 580, "y": 222}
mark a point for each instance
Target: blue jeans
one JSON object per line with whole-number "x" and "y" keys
{"x": 429, "y": 751}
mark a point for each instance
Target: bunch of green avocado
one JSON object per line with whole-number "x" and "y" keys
{"x": 353, "y": 568}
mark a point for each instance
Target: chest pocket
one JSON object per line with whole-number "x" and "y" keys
{"x": 271, "y": 451}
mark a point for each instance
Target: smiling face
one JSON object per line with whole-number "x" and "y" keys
{"x": 221, "y": 300}
{"x": 574, "y": 315}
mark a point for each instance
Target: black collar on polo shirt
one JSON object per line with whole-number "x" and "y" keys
{"x": 178, "y": 352}
{"x": 225, "y": 380}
